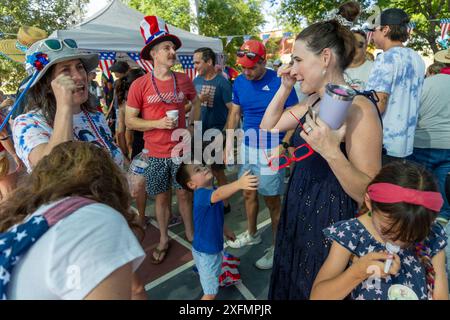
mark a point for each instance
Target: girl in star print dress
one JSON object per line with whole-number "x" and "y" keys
{"x": 401, "y": 205}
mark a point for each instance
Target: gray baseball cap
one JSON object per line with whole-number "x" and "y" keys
{"x": 67, "y": 51}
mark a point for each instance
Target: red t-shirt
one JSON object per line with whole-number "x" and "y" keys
{"x": 142, "y": 96}
{"x": 445, "y": 70}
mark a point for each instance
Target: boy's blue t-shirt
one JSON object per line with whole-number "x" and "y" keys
{"x": 254, "y": 97}
{"x": 208, "y": 222}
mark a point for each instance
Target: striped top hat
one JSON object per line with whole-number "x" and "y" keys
{"x": 154, "y": 30}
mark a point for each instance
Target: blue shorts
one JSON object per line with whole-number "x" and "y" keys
{"x": 209, "y": 268}
{"x": 271, "y": 182}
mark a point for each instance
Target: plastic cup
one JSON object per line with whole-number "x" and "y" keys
{"x": 334, "y": 105}
{"x": 172, "y": 114}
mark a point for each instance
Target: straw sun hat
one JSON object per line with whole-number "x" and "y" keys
{"x": 15, "y": 49}
{"x": 443, "y": 56}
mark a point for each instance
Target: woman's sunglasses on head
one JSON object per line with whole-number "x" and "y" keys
{"x": 57, "y": 44}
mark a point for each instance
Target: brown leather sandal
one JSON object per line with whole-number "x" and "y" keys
{"x": 160, "y": 253}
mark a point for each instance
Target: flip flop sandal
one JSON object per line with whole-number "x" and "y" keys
{"x": 159, "y": 253}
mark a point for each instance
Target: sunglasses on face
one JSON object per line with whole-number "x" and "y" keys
{"x": 300, "y": 153}
{"x": 374, "y": 29}
{"x": 250, "y": 55}
{"x": 57, "y": 45}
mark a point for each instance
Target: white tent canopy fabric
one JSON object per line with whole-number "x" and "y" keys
{"x": 116, "y": 28}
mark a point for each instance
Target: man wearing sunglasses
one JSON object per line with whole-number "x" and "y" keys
{"x": 252, "y": 92}
{"x": 397, "y": 77}
{"x": 359, "y": 70}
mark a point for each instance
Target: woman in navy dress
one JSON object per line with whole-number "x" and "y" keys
{"x": 327, "y": 186}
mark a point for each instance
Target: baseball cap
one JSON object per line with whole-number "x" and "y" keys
{"x": 392, "y": 16}
{"x": 120, "y": 66}
{"x": 251, "y": 46}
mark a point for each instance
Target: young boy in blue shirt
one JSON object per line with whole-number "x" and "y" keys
{"x": 209, "y": 225}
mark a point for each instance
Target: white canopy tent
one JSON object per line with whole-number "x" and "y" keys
{"x": 116, "y": 28}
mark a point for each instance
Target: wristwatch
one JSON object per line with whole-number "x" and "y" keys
{"x": 285, "y": 144}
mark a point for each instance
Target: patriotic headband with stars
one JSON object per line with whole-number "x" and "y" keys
{"x": 391, "y": 193}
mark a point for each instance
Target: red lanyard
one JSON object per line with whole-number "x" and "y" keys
{"x": 94, "y": 128}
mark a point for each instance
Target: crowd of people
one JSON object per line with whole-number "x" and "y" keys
{"x": 363, "y": 216}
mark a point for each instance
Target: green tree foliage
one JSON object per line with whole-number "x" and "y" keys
{"x": 294, "y": 12}
{"x": 49, "y": 15}
{"x": 174, "y": 12}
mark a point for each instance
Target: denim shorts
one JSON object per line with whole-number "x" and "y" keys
{"x": 209, "y": 268}
{"x": 271, "y": 182}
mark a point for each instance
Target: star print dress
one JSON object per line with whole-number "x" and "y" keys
{"x": 353, "y": 236}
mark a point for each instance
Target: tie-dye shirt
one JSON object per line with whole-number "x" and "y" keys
{"x": 31, "y": 130}
{"x": 400, "y": 73}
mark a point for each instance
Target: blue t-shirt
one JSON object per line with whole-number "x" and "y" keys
{"x": 400, "y": 73}
{"x": 254, "y": 97}
{"x": 214, "y": 111}
{"x": 208, "y": 222}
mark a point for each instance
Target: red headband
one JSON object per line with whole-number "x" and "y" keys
{"x": 391, "y": 193}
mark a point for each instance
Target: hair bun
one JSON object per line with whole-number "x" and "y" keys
{"x": 349, "y": 11}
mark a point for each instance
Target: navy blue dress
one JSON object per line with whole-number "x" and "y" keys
{"x": 314, "y": 201}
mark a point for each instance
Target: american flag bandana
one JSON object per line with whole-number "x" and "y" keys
{"x": 106, "y": 60}
{"x": 144, "y": 64}
{"x": 229, "y": 274}
{"x": 445, "y": 27}
{"x": 15, "y": 242}
{"x": 187, "y": 62}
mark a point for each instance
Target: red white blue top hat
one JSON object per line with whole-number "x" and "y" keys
{"x": 154, "y": 30}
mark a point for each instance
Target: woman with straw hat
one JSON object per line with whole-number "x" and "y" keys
{"x": 14, "y": 49}
{"x": 58, "y": 107}
{"x": 443, "y": 56}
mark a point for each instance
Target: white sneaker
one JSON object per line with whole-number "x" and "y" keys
{"x": 245, "y": 239}
{"x": 266, "y": 261}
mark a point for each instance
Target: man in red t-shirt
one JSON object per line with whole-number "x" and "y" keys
{"x": 149, "y": 98}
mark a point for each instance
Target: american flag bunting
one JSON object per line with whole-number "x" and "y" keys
{"x": 187, "y": 62}
{"x": 144, "y": 64}
{"x": 106, "y": 60}
{"x": 445, "y": 27}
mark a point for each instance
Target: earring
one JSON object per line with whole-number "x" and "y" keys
{"x": 324, "y": 72}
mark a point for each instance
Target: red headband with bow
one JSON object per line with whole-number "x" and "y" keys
{"x": 391, "y": 193}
